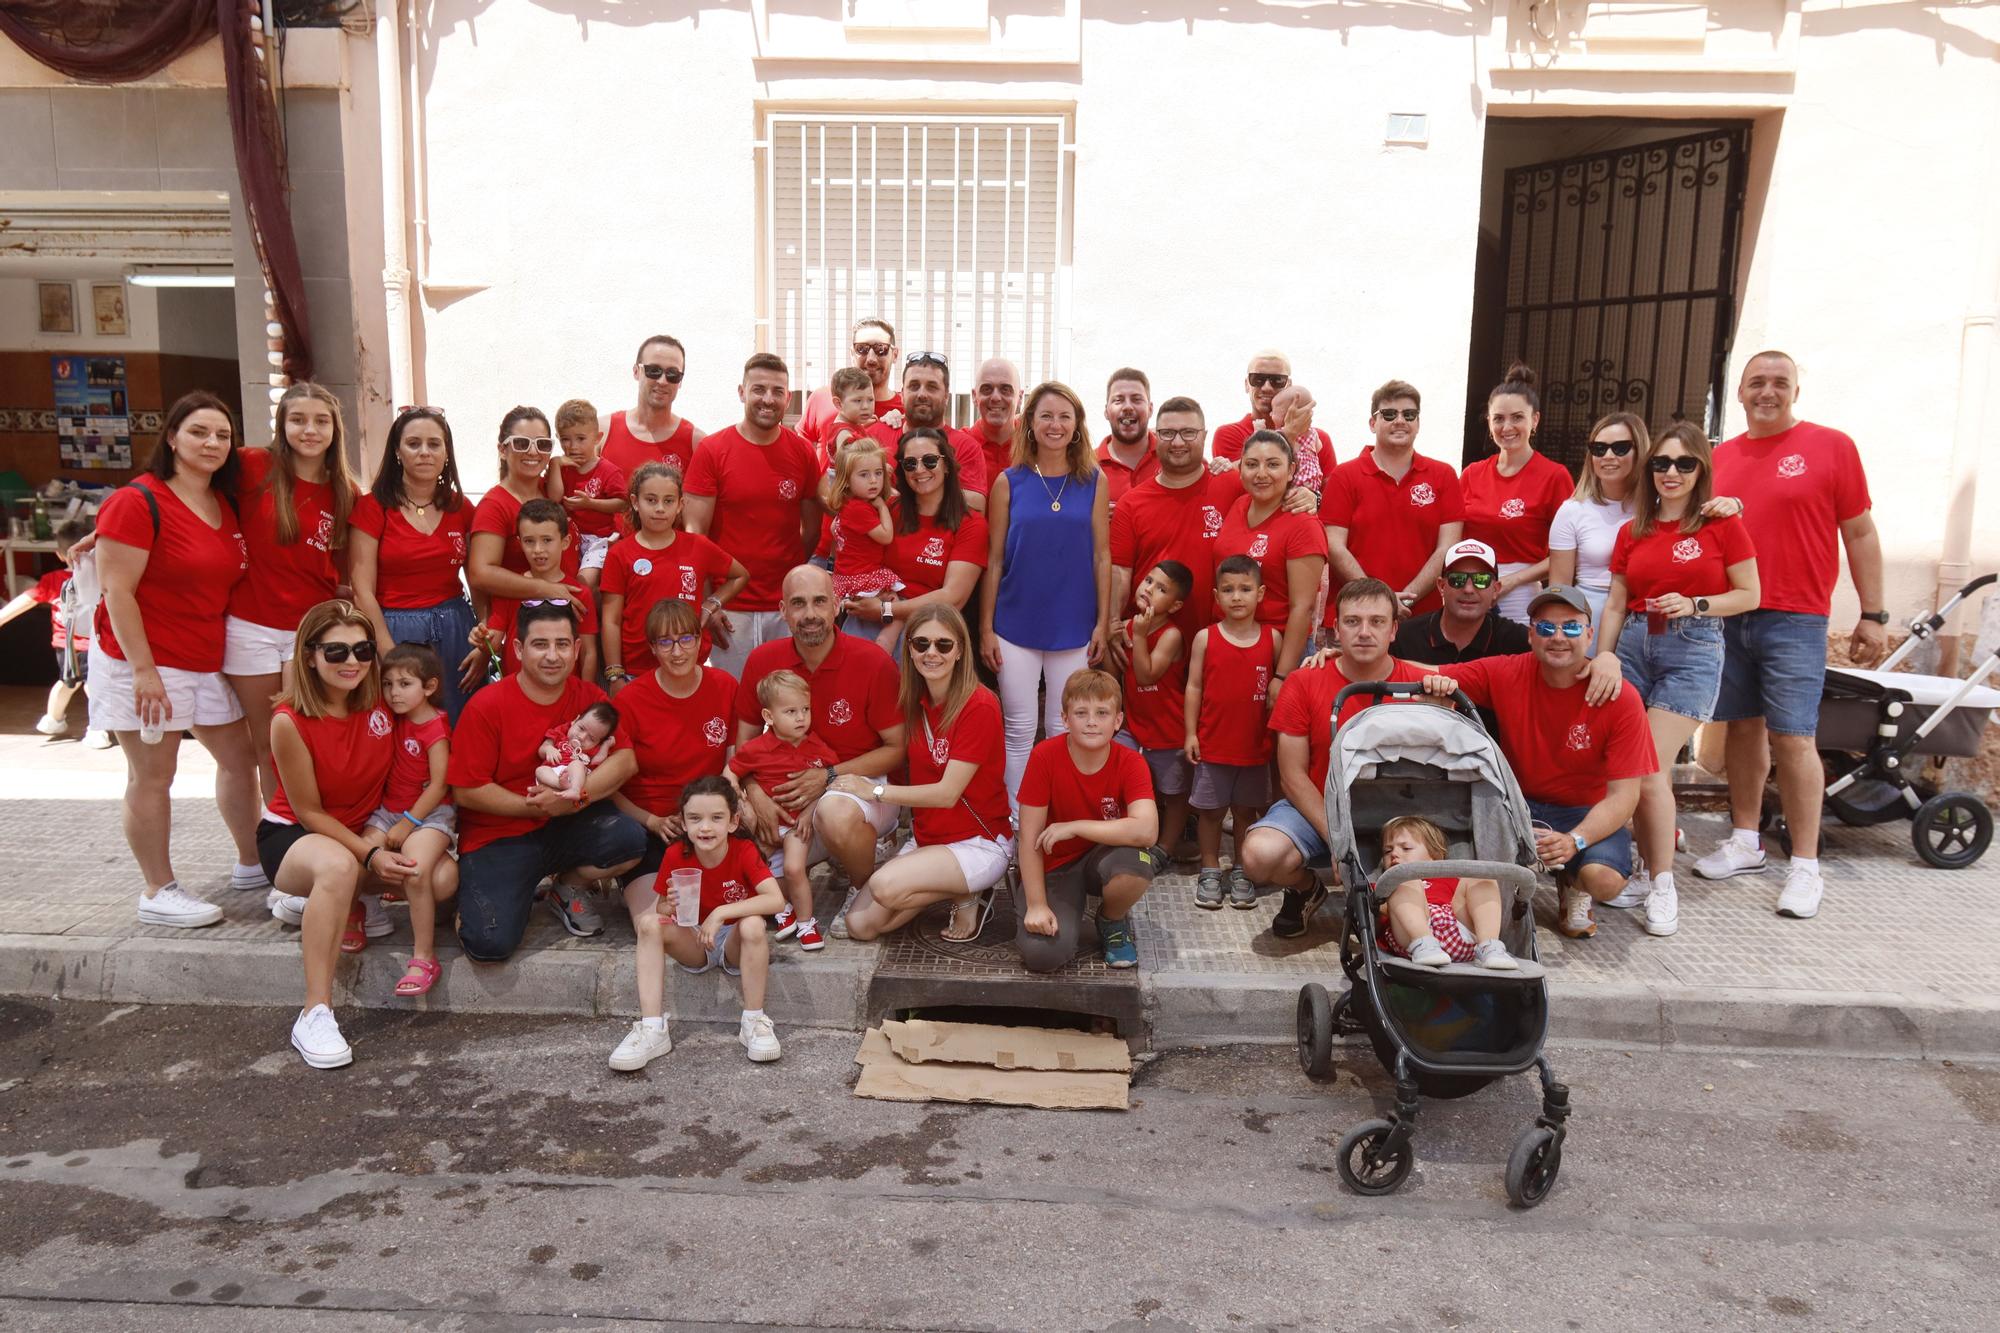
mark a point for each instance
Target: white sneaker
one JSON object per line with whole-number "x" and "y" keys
{"x": 1730, "y": 858}
{"x": 1425, "y": 951}
{"x": 1493, "y": 956}
{"x": 174, "y": 906}
{"x": 289, "y": 908}
{"x": 642, "y": 1046}
{"x": 1803, "y": 888}
{"x": 51, "y": 726}
{"x": 1663, "y": 910}
{"x": 838, "y": 929}
{"x": 375, "y": 922}
{"x": 256, "y": 881}
{"x": 759, "y": 1037}
{"x": 98, "y": 740}
{"x": 1577, "y": 920}
{"x": 316, "y": 1037}
{"x": 1635, "y": 892}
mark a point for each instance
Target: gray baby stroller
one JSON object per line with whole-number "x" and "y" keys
{"x": 1441, "y": 1032}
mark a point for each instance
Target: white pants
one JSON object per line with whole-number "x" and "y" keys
{"x": 1022, "y": 672}
{"x": 1514, "y": 606}
{"x": 752, "y": 629}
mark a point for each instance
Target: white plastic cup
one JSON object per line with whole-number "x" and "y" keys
{"x": 150, "y": 735}
{"x": 686, "y": 885}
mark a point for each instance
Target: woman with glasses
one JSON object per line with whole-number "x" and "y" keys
{"x": 497, "y": 566}
{"x": 1675, "y": 573}
{"x": 408, "y": 543}
{"x": 941, "y": 544}
{"x": 1511, "y": 498}
{"x": 961, "y": 828}
{"x": 1045, "y": 603}
{"x": 1586, "y": 525}
{"x": 648, "y": 431}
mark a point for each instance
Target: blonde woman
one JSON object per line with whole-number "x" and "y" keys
{"x": 1586, "y": 525}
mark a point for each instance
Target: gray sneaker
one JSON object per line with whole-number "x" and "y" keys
{"x": 1208, "y": 889}
{"x": 574, "y": 909}
{"x": 838, "y": 927}
{"x": 1242, "y": 893}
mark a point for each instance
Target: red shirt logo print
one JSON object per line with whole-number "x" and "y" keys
{"x": 940, "y": 750}
{"x": 933, "y": 553}
{"x": 788, "y": 489}
{"x": 1579, "y": 737}
{"x": 1792, "y": 465}
{"x": 378, "y": 724}
{"x": 1109, "y": 808}
{"x": 1513, "y": 508}
{"x": 734, "y": 891}
{"x": 322, "y": 537}
{"x": 1211, "y": 522}
{"x": 1421, "y": 494}
{"x": 1687, "y": 549}
{"x": 688, "y": 588}
{"x": 1259, "y": 545}
{"x": 840, "y": 712}
{"x": 714, "y": 732}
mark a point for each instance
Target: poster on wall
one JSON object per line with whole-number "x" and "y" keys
{"x": 93, "y": 414}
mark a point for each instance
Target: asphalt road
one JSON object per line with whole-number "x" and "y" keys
{"x": 180, "y": 1169}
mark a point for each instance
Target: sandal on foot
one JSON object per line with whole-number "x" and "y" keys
{"x": 973, "y": 910}
{"x": 419, "y": 976}
{"x": 354, "y": 939}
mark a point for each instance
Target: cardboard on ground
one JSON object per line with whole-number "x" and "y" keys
{"x": 887, "y": 1077}
{"x": 921, "y": 1041}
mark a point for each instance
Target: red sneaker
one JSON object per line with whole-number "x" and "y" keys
{"x": 785, "y": 924}
{"x": 809, "y": 937}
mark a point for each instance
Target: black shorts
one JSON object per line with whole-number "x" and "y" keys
{"x": 273, "y": 841}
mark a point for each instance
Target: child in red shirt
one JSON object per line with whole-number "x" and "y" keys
{"x": 416, "y": 816}
{"x": 1156, "y": 691}
{"x": 1438, "y": 921}
{"x": 56, "y": 592}
{"x": 1232, "y": 674}
{"x": 783, "y": 750}
{"x": 543, "y": 528}
{"x": 593, "y": 487}
{"x": 657, "y": 562}
{"x": 864, "y": 529}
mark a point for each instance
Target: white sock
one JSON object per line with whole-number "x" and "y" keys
{"x": 244, "y": 872}
{"x": 1806, "y": 863}
{"x": 1665, "y": 881}
{"x": 807, "y": 923}
{"x": 1748, "y": 837}
{"x": 749, "y": 1014}
{"x": 655, "y": 1024}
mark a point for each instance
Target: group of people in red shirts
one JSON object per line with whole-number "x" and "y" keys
{"x": 1181, "y": 618}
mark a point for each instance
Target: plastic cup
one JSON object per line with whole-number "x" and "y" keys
{"x": 686, "y": 885}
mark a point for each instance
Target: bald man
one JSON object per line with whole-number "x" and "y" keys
{"x": 1268, "y": 375}
{"x": 996, "y": 392}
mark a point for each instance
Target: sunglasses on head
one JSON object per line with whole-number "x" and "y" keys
{"x": 1459, "y": 578}
{"x": 1616, "y": 448}
{"x": 526, "y": 444}
{"x": 1261, "y": 379}
{"x": 921, "y": 644}
{"x": 1683, "y": 464}
{"x": 1569, "y": 629}
{"x": 1391, "y": 413}
{"x": 340, "y": 652}
{"x": 928, "y": 462}
{"x": 926, "y": 359}
{"x": 677, "y": 641}
{"x": 419, "y": 407}
{"x": 671, "y": 374}
{"x": 546, "y": 601}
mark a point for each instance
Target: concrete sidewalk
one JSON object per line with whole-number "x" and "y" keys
{"x": 1902, "y": 960}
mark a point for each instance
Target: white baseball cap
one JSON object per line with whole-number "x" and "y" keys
{"x": 1472, "y": 550}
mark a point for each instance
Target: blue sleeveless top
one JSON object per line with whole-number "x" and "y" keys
{"x": 1048, "y": 584}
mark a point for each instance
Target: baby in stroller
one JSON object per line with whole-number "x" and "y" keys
{"x": 1438, "y": 921}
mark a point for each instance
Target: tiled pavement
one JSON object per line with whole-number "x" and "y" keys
{"x": 1902, "y": 957}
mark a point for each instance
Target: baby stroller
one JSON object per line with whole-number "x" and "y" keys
{"x": 1442, "y": 1032}
{"x": 1871, "y": 724}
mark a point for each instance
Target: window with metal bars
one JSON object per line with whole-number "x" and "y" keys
{"x": 953, "y": 229}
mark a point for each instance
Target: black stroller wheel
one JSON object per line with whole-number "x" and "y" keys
{"x": 1952, "y": 830}
{"x": 1315, "y": 1031}
{"x": 1532, "y": 1167}
{"x": 1362, "y": 1164}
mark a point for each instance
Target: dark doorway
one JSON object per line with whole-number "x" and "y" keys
{"x": 1612, "y": 272}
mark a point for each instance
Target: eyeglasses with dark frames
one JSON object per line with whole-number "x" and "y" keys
{"x": 1190, "y": 434}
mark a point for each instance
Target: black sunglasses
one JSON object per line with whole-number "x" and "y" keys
{"x": 671, "y": 374}
{"x": 1459, "y": 578}
{"x": 928, "y": 462}
{"x": 1391, "y": 413}
{"x": 1619, "y": 448}
{"x": 945, "y": 647}
{"x": 1264, "y": 379}
{"x": 1682, "y": 464}
{"x": 340, "y": 652}
{"x": 874, "y": 349}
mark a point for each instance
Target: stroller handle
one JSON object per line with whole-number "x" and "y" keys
{"x": 1385, "y": 689}
{"x": 1515, "y": 877}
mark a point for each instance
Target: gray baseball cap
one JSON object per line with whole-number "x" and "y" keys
{"x": 1572, "y": 598}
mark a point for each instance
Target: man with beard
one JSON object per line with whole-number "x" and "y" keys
{"x": 753, "y": 490}
{"x": 1127, "y": 454}
{"x": 997, "y": 394}
{"x": 649, "y": 432}
{"x": 855, "y": 710}
{"x": 926, "y": 400}
{"x": 873, "y": 342}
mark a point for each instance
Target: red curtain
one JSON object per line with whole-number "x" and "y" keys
{"x": 118, "y": 41}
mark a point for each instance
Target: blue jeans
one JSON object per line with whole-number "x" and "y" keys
{"x": 446, "y": 629}
{"x": 1285, "y": 818}
{"x": 1678, "y": 670}
{"x": 1614, "y": 850}
{"x": 1773, "y": 667}
{"x": 496, "y": 883}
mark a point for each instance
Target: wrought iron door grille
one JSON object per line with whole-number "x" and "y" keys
{"x": 1620, "y": 286}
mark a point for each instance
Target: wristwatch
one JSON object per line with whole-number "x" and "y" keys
{"x": 880, "y": 789}
{"x": 1701, "y": 606}
{"x": 888, "y": 608}
{"x": 1580, "y": 841}
{"x": 1879, "y": 617}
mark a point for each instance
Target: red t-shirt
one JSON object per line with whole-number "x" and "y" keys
{"x": 999, "y": 453}
{"x": 759, "y": 493}
{"x": 1156, "y": 714}
{"x": 1272, "y": 544}
{"x": 1563, "y": 751}
{"x": 1512, "y": 514}
{"x": 676, "y": 740}
{"x": 1235, "y": 684}
{"x": 976, "y": 737}
{"x": 1305, "y": 708}
{"x": 1229, "y": 437}
{"x": 854, "y": 691}
{"x": 414, "y": 570}
{"x": 854, "y": 551}
{"x": 1797, "y": 488}
{"x": 604, "y": 481}
{"x": 816, "y": 423}
{"x": 191, "y": 570}
{"x": 1121, "y": 478}
{"x": 1313, "y": 459}
{"x": 350, "y": 758}
{"x": 737, "y": 878}
{"x": 1156, "y": 522}
{"x": 687, "y": 570}
{"x": 48, "y": 592}
{"x": 1054, "y": 782}
{"x": 284, "y": 582}
{"x": 921, "y": 559}
{"x": 1694, "y": 564}
{"x": 500, "y": 513}
{"x": 774, "y": 762}
{"x": 498, "y": 737}
{"x": 1392, "y": 525}
{"x": 411, "y": 771}
{"x": 965, "y": 447}
{"x": 502, "y": 610}
{"x": 628, "y": 453}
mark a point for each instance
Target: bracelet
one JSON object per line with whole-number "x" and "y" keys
{"x": 616, "y": 673}
{"x": 414, "y": 821}
{"x": 370, "y": 857}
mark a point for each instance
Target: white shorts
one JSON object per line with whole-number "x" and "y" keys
{"x": 983, "y": 861}
{"x": 197, "y": 698}
{"x": 717, "y": 957}
{"x": 256, "y": 650}
{"x": 593, "y": 548}
{"x": 881, "y": 817}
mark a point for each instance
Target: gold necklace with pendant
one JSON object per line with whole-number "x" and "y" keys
{"x": 1055, "y": 497}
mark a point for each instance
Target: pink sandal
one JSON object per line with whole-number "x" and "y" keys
{"x": 419, "y": 977}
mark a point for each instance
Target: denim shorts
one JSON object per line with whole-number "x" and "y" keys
{"x": 1678, "y": 670}
{"x": 1614, "y": 850}
{"x": 1773, "y": 667}
{"x": 1286, "y": 819}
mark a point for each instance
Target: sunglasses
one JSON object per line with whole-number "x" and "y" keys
{"x": 1190, "y": 434}
{"x": 1683, "y": 465}
{"x": 419, "y": 407}
{"x": 1616, "y": 448}
{"x": 1391, "y": 413}
{"x": 873, "y": 349}
{"x": 671, "y": 374}
{"x": 546, "y": 601}
{"x": 677, "y": 641}
{"x": 945, "y": 647}
{"x": 530, "y": 444}
{"x": 1569, "y": 629}
{"x": 928, "y": 462}
{"x": 340, "y": 652}
{"x": 1462, "y": 577}
{"x": 1264, "y": 380}
{"x": 926, "y": 359}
